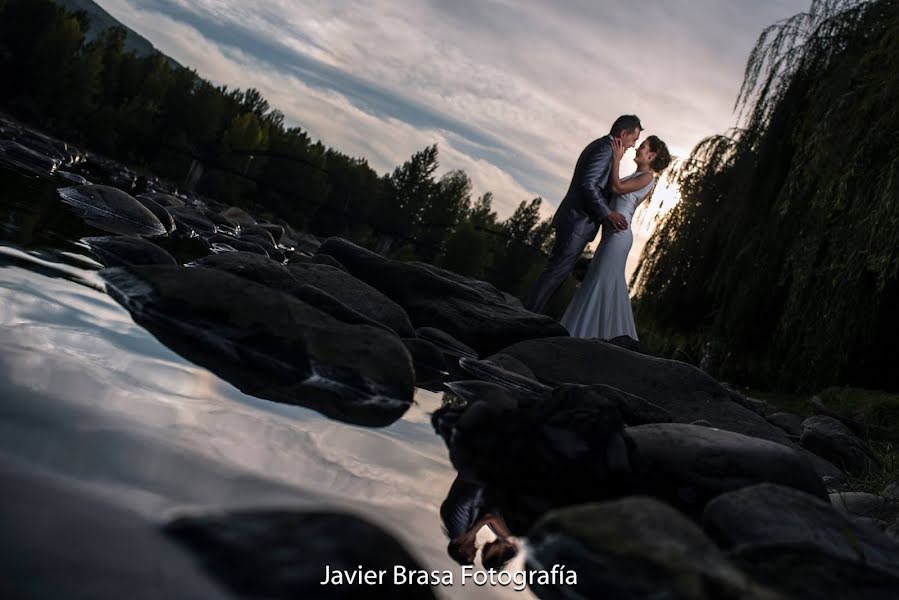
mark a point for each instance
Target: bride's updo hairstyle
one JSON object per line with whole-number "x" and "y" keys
{"x": 663, "y": 157}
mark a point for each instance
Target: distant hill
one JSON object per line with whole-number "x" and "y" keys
{"x": 100, "y": 21}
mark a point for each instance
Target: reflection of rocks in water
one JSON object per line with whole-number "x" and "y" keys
{"x": 472, "y": 311}
{"x": 286, "y": 555}
{"x": 270, "y": 344}
{"x": 111, "y": 209}
{"x": 121, "y": 251}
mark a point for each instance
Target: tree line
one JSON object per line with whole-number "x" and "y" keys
{"x": 780, "y": 265}
{"x": 165, "y": 119}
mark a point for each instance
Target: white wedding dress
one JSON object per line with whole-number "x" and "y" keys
{"x": 601, "y": 307}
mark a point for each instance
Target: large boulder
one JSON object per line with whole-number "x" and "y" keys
{"x": 354, "y": 293}
{"x": 804, "y": 545}
{"x": 270, "y": 344}
{"x": 686, "y": 392}
{"x": 112, "y": 210}
{"x": 480, "y": 316}
{"x": 632, "y": 549}
{"x": 284, "y": 555}
{"x": 831, "y": 439}
{"x": 688, "y": 465}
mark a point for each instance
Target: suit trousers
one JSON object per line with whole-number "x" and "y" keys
{"x": 569, "y": 245}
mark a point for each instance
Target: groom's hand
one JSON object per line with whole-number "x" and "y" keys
{"x": 617, "y": 220}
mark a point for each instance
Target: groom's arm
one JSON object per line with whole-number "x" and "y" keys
{"x": 593, "y": 179}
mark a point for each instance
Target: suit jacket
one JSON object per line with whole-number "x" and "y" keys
{"x": 586, "y": 204}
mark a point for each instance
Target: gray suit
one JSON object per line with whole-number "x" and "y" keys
{"x": 577, "y": 219}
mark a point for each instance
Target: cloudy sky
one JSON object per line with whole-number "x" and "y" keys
{"x": 511, "y": 90}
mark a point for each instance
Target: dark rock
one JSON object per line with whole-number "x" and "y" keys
{"x": 803, "y": 545}
{"x": 276, "y": 231}
{"x": 188, "y": 219}
{"x": 163, "y": 199}
{"x": 112, "y": 210}
{"x": 629, "y": 343}
{"x": 120, "y": 251}
{"x": 158, "y": 211}
{"x": 488, "y": 371}
{"x": 830, "y": 474}
{"x": 632, "y": 549}
{"x": 238, "y": 216}
{"x": 510, "y": 363}
{"x": 16, "y": 155}
{"x": 634, "y": 409}
{"x": 789, "y": 422}
{"x": 218, "y": 241}
{"x": 270, "y": 344}
{"x": 832, "y": 440}
{"x": 478, "y": 315}
{"x": 284, "y": 555}
{"x": 273, "y": 274}
{"x": 427, "y": 360}
{"x": 862, "y": 504}
{"x": 318, "y": 259}
{"x": 258, "y": 231}
{"x": 688, "y": 465}
{"x": 450, "y": 345}
{"x": 686, "y": 392}
{"x": 70, "y": 177}
{"x": 355, "y": 294}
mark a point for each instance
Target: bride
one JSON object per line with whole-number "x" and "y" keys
{"x": 601, "y": 307}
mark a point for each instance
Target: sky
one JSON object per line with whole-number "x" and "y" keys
{"x": 510, "y": 90}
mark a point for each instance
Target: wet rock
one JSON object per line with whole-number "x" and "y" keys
{"x": 802, "y": 545}
{"x": 238, "y": 216}
{"x": 832, "y": 440}
{"x": 427, "y": 360}
{"x": 70, "y": 177}
{"x": 510, "y": 363}
{"x": 111, "y": 209}
{"x": 158, "y": 211}
{"x": 162, "y": 199}
{"x": 273, "y": 274}
{"x": 789, "y": 422}
{"x": 355, "y": 294}
{"x": 270, "y": 344}
{"x": 686, "y": 392}
{"x": 284, "y": 555}
{"x": 450, "y": 345}
{"x": 632, "y": 549}
{"x": 216, "y": 242}
{"x": 479, "y": 316}
{"x": 493, "y": 373}
{"x": 276, "y": 231}
{"x": 688, "y": 465}
{"x": 188, "y": 219}
{"x": 18, "y": 156}
{"x": 256, "y": 230}
{"x": 120, "y": 251}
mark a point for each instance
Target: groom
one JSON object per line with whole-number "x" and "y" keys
{"x": 584, "y": 207}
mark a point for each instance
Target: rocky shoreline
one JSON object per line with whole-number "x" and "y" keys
{"x": 644, "y": 475}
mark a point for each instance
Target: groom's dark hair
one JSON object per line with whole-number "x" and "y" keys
{"x": 625, "y": 123}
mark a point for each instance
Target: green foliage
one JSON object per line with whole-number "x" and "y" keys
{"x": 784, "y": 242}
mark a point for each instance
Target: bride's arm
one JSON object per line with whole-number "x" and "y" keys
{"x": 618, "y": 187}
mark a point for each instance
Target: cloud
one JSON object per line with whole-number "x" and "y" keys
{"x": 511, "y": 91}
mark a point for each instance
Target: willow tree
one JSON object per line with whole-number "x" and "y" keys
{"x": 784, "y": 249}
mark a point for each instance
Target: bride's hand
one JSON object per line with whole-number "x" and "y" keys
{"x": 617, "y": 148}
